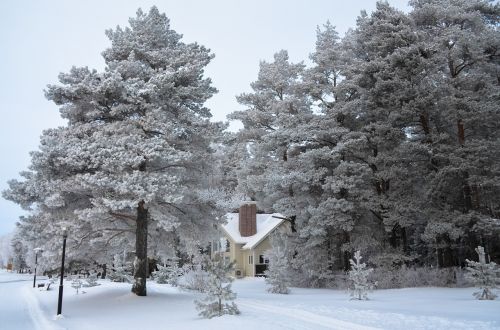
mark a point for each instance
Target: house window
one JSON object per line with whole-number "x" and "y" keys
{"x": 250, "y": 260}
{"x": 263, "y": 259}
{"x": 228, "y": 246}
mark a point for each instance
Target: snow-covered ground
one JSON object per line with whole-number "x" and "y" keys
{"x": 112, "y": 306}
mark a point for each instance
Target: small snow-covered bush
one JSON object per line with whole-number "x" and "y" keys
{"x": 76, "y": 284}
{"x": 278, "y": 272}
{"x": 358, "y": 275}
{"x": 218, "y": 294}
{"x": 161, "y": 275}
{"x": 484, "y": 275}
{"x": 405, "y": 277}
{"x": 168, "y": 273}
{"x": 120, "y": 271}
{"x": 194, "y": 278}
{"x": 91, "y": 280}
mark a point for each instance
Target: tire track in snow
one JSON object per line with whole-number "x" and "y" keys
{"x": 305, "y": 316}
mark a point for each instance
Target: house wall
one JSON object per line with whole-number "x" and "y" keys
{"x": 237, "y": 256}
{"x": 242, "y": 256}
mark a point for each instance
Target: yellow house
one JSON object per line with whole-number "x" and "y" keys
{"x": 246, "y": 238}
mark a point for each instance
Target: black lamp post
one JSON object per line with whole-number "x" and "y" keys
{"x": 36, "y": 263}
{"x": 59, "y": 302}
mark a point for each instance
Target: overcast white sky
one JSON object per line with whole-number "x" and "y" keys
{"x": 39, "y": 39}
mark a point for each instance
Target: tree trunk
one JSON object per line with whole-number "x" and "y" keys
{"x": 104, "y": 268}
{"x": 460, "y": 132}
{"x": 467, "y": 192}
{"x": 141, "y": 249}
{"x": 346, "y": 255}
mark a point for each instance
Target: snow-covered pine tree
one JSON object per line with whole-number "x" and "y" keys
{"x": 168, "y": 272}
{"x": 161, "y": 275}
{"x": 278, "y": 272}
{"x": 273, "y": 109}
{"x": 174, "y": 271}
{"x": 76, "y": 283}
{"x": 92, "y": 280}
{"x": 375, "y": 97}
{"x": 358, "y": 275}
{"x": 459, "y": 121}
{"x": 484, "y": 275}
{"x": 219, "y": 297}
{"x": 119, "y": 271}
{"x": 135, "y": 153}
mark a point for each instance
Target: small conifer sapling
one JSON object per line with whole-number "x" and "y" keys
{"x": 218, "y": 295}
{"x": 358, "y": 276}
{"x": 484, "y": 275}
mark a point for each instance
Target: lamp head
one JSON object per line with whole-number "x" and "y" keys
{"x": 65, "y": 232}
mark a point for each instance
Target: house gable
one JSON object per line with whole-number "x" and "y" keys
{"x": 266, "y": 223}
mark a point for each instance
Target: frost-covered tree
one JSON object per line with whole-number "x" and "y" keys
{"x": 219, "y": 297}
{"x": 161, "y": 275}
{"x": 274, "y": 108}
{"x": 174, "y": 271}
{"x": 484, "y": 275}
{"x": 91, "y": 280}
{"x": 458, "y": 123}
{"x": 322, "y": 79}
{"x": 279, "y": 269}
{"x": 373, "y": 98}
{"x": 120, "y": 271}
{"x": 358, "y": 276}
{"x": 169, "y": 272}
{"x": 137, "y": 148}
{"x": 5, "y": 249}
{"x": 76, "y": 284}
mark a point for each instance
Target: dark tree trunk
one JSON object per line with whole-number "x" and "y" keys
{"x": 404, "y": 238}
{"x": 141, "y": 249}
{"x": 460, "y": 132}
{"x": 467, "y": 192}
{"x": 103, "y": 275}
{"x": 424, "y": 122}
{"x": 346, "y": 255}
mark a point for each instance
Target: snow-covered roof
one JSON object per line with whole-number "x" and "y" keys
{"x": 265, "y": 225}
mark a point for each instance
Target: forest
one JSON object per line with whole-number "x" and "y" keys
{"x": 385, "y": 141}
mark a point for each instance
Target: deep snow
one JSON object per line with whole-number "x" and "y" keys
{"x": 112, "y": 306}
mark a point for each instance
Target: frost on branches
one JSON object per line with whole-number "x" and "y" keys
{"x": 278, "y": 273}
{"x": 161, "y": 275}
{"x": 484, "y": 275}
{"x": 168, "y": 273}
{"x": 91, "y": 280}
{"x": 76, "y": 284}
{"x": 358, "y": 275}
{"x": 136, "y": 150}
{"x": 218, "y": 291}
{"x": 120, "y": 272}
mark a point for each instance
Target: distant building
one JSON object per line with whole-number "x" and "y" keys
{"x": 246, "y": 239}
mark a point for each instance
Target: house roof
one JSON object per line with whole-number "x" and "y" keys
{"x": 265, "y": 225}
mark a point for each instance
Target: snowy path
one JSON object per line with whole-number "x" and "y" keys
{"x": 19, "y": 306}
{"x": 303, "y": 316}
{"x": 14, "y": 312}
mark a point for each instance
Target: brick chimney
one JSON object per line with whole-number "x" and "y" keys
{"x": 248, "y": 219}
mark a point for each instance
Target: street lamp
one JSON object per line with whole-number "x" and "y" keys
{"x": 36, "y": 263}
{"x": 59, "y": 302}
